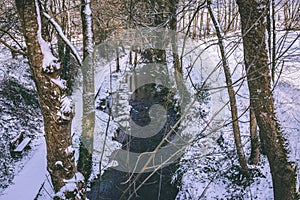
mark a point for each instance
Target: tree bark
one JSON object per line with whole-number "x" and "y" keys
{"x": 57, "y": 125}
{"x": 254, "y": 156}
{"x": 253, "y": 14}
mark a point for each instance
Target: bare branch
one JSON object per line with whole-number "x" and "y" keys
{"x": 13, "y": 48}
{"x": 63, "y": 37}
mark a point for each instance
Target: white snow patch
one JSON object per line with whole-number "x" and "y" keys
{"x": 59, "y": 163}
{"x": 50, "y": 62}
{"x": 28, "y": 182}
{"x": 61, "y": 83}
{"x": 69, "y": 150}
{"x": 66, "y": 105}
{"x": 71, "y": 185}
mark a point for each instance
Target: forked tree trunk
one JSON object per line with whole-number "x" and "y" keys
{"x": 253, "y": 14}
{"x": 57, "y": 124}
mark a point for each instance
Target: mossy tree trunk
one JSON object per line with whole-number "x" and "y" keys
{"x": 253, "y": 14}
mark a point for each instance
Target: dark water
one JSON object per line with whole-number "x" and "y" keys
{"x": 113, "y": 182}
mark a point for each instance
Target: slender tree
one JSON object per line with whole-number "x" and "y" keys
{"x": 231, "y": 93}
{"x": 88, "y": 93}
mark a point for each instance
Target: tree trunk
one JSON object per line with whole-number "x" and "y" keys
{"x": 117, "y": 60}
{"x": 228, "y": 29}
{"x": 57, "y": 122}
{"x": 231, "y": 93}
{"x": 88, "y": 93}
{"x": 253, "y": 14}
{"x": 201, "y": 23}
{"x": 273, "y": 68}
{"x": 225, "y": 16}
{"x": 135, "y": 57}
{"x": 207, "y": 27}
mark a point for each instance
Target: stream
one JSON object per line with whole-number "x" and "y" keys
{"x": 113, "y": 182}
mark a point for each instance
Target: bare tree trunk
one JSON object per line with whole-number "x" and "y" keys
{"x": 229, "y": 16}
{"x": 194, "y": 35}
{"x": 130, "y": 57}
{"x": 88, "y": 93}
{"x": 173, "y": 26}
{"x": 201, "y": 22}
{"x": 253, "y": 14}
{"x": 273, "y": 41}
{"x": 237, "y": 27}
{"x": 57, "y": 121}
{"x": 219, "y": 11}
{"x": 177, "y": 66}
{"x": 286, "y": 14}
{"x": 117, "y": 60}
{"x": 207, "y": 27}
{"x": 231, "y": 93}
{"x": 254, "y": 156}
{"x": 183, "y": 16}
{"x": 225, "y": 16}
{"x": 135, "y": 57}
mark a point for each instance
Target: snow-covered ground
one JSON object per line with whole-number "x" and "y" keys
{"x": 19, "y": 112}
{"x": 28, "y": 182}
{"x": 208, "y": 168}
{"x": 214, "y": 176}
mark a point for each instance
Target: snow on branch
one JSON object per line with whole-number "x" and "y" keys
{"x": 50, "y": 62}
{"x": 63, "y": 37}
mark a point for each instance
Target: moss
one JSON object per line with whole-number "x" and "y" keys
{"x": 84, "y": 164}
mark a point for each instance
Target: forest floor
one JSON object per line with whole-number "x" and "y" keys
{"x": 215, "y": 176}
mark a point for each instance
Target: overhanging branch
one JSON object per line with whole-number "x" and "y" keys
{"x": 63, "y": 37}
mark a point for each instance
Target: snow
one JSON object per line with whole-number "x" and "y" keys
{"x": 62, "y": 35}
{"x": 70, "y": 150}
{"x": 61, "y": 83}
{"x": 66, "y": 105}
{"x": 59, "y": 163}
{"x": 70, "y": 185}
{"x": 206, "y": 162}
{"x": 50, "y": 62}
{"x": 27, "y": 183}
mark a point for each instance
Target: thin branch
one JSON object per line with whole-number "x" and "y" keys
{"x": 9, "y": 34}
{"x": 13, "y": 48}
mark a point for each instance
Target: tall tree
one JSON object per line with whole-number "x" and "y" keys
{"x": 88, "y": 93}
{"x": 55, "y": 105}
{"x": 253, "y": 14}
{"x": 231, "y": 93}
